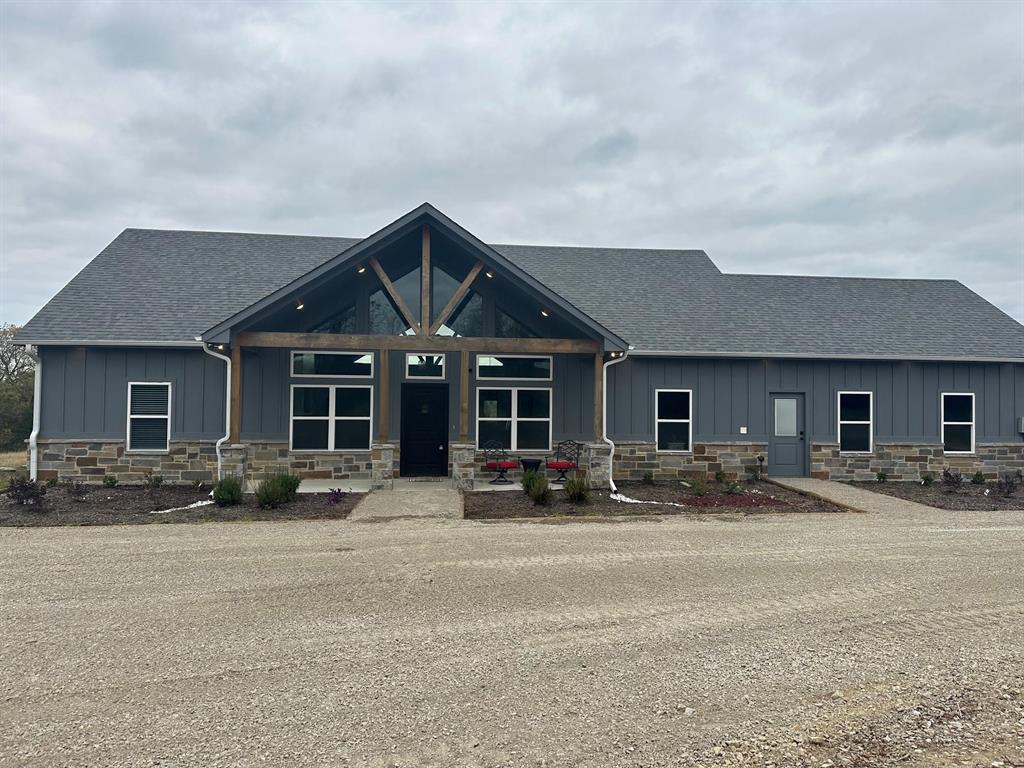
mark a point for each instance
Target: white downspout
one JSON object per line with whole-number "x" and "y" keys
{"x": 604, "y": 417}
{"x": 227, "y": 405}
{"x": 37, "y": 397}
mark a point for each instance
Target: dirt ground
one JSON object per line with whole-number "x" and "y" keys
{"x": 135, "y": 505}
{"x": 784, "y": 639}
{"x": 754, "y": 498}
{"x": 967, "y": 496}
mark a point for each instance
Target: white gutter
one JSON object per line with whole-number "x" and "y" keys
{"x": 227, "y": 405}
{"x": 823, "y": 356}
{"x": 37, "y": 396}
{"x": 106, "y": 343}
{"x": 604, "y": 417}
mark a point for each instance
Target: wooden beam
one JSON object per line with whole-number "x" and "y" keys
{"x": 464, "y": 398}
{"x": 360, "y": 342}
{"x": 457, "y": 298}
{"x": 384, "y": 419}
{"x": 598, "y": 397}
{"x": 236, "y": 392}
{"x": 425, "y": 280}
{"x": 390, "y": 288}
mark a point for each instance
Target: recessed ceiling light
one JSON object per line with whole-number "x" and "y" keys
{"x": 300, "y": 305}
{"x": 361, "y": 269}
{"x": 489, "y": 274}
{"x": 544, "y": 312}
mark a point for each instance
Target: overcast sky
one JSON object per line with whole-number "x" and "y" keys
{"x": 829, "y": 139}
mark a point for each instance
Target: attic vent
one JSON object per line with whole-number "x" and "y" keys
{"x": 149, "y": 416}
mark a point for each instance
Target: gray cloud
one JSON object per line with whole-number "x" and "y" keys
{"x": 853, "y": 139}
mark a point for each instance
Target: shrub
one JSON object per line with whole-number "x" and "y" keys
{"x": 698, "y": 486}
{"x": 529, "y": 479}
{"x": 540, "y": 491}
{"x": 277, "y": 490}
{"x": 881, "y": 477}
{"x": 648, "y": 478}
{"x": 927, "y": 479}
{"x": 51, "y": 482}
{"x": 720, "y": 476}
{"x": 152, "y": 482}
{"x": 733, "y": 488}
{"x": 228, "y": 491}
{"x": 952, "y": 480}
{"x": 577, "y": 489}
{"x": 1007, "y": 485}
{"x": 978, "y": 478}
{"x": 75, "y": 489}
{"x": 197, "y": 484}
{"x": 110, "y": 481}
{"x": 21, "y": 490}
{"x": 335, "y": 496}
{"x": 291, "y": 484}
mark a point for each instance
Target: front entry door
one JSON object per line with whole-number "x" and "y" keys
{"x": 424, "y": 451}
{"x": 787, "y": 443}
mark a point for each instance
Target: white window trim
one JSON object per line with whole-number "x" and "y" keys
{"x": 294, "y": 375}
{"x": 972, "y": 422}
{"x": 658, "y": 421}
{"x": 331, "y": 418}
{"x": 128, "y": 424}
{"x": 840, "y": 421}
{"x": 549, "y": 358}
{"x": 515, "y": 418}
{"x": 444, "y": 370}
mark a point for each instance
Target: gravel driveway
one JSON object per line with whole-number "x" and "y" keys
{"x": 783, "y": 640}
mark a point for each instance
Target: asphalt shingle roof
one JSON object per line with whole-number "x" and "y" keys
{"x": 167, "y": 286}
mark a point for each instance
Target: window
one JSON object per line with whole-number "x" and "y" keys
{"x": 957, "y": 422}
{"x": 149, "y": 416}
{"x": 673, "y": 422}
{"x": 518, "y": 418}
{"x": 513, "y": 367}
{"x": 341, "y": 322}
{"x": 332, "y": 364}
{"x": 785, "y": 417}
{"x": 331, "y": 418}
{"x": 856, "y": 417}
{"x": 419, "y": 366}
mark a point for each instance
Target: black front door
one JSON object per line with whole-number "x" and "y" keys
{"x": 787, "y": 444}
{"x": 424, "y": 450}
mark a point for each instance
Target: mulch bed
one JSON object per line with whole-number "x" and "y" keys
{"x": 756, "y": 497}
{"x": 133, "y": 505}
{"x": 968, "y": 497}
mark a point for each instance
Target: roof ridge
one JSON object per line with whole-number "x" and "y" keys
{"x": 847, "y": 277}
{"x": 236, "y": 232}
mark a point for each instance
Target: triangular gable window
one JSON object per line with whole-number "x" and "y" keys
{"x": 385, "y": 319}
{"x": 507, "y": 327}
{"x": 467, "y": 320}
{"x": 343, "y": 322}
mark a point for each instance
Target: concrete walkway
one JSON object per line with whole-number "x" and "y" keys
{"x": 411, "y": 500}
{"x": 850, "y": 497}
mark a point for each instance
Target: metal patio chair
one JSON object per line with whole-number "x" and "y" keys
{"x": 497, "y": 460}
{"x": 565, "y": 459}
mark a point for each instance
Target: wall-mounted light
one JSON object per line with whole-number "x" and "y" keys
{"x": 300, "y": 305}
{"x": 362, "y": 268}
{"x": 489, "y": 275}
{"x": 220, "y": 347}
{"x": 544, "y": 312}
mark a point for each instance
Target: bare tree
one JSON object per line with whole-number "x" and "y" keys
{"x": 14, "y": 361}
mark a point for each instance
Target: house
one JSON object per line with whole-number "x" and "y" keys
{"x": 193, "y": 354}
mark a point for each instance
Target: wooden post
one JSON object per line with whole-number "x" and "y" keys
{"x": 598, "y": 397}
{"x": 464, "y": 398}
{"x": 236, "y": 393}
{"x": 385, "y": 396}
{"x": 425, "y": 281}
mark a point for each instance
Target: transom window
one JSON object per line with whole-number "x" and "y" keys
{"x": 149, "y": 416}
{"x": 958, "y": 422}
{"x": 328, "y": 364}
{"x": 331, "y": 417}
{"x": 673, "y": 419}
{"x": 418, "y": 366}
{"x": 519, "y": 418}
{"x": 856, "y": 422}
{"x": 511, "y": 367}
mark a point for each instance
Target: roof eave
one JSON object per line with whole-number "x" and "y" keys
{"x": 826, "y": 356}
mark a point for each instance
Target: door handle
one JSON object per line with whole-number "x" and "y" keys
{"x": 440, "y": 447}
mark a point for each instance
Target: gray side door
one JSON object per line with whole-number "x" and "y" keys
{"x": 787, "y": 444}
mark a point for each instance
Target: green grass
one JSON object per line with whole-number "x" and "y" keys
{"x": 16, "y": 459}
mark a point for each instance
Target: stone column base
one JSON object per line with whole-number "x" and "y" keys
{"x": 596, "y": 462}
{"x": 382, "y": 470}
{"x": 463, "y": 458}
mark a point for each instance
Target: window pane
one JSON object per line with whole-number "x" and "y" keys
{"x": 673, "y": 436}
{"x": 489, "y": 367}
{"x": 855, "y": 407}
{"x": 495, "y": 403}
{"x": 855, "y": 437}
{"x": 495, "y": 430}
{"x": 507, "y": 327}
{"x": 408, "y": 287}
{"x": 149, "y": 399}
{"x": 384, "y": 317}
{"x": 310, "y": 401}
{"x": 957, "y": 408}
{"x": 467, "y": 320}
{"x": 309, "y": 435}
{"x": 148, "y": 435}
{"x": 431, "y": 366}
{"x": 673, "y": 405}
{"x": 785, "y": 417}
{"x": 352, "y": 401}
{"x": 352, "y": 434}
{"x": 957, "y": 437}
{"x": 342, "y": 322}
{"x": 319, "y": 364}
{"x": 534, "y": 404}
{"x": 532, "y": 435}
{"x": 443, "y": 286}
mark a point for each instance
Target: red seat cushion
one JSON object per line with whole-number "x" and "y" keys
{"x": 502, "y": 464}
{"x": 561, "y": 464}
